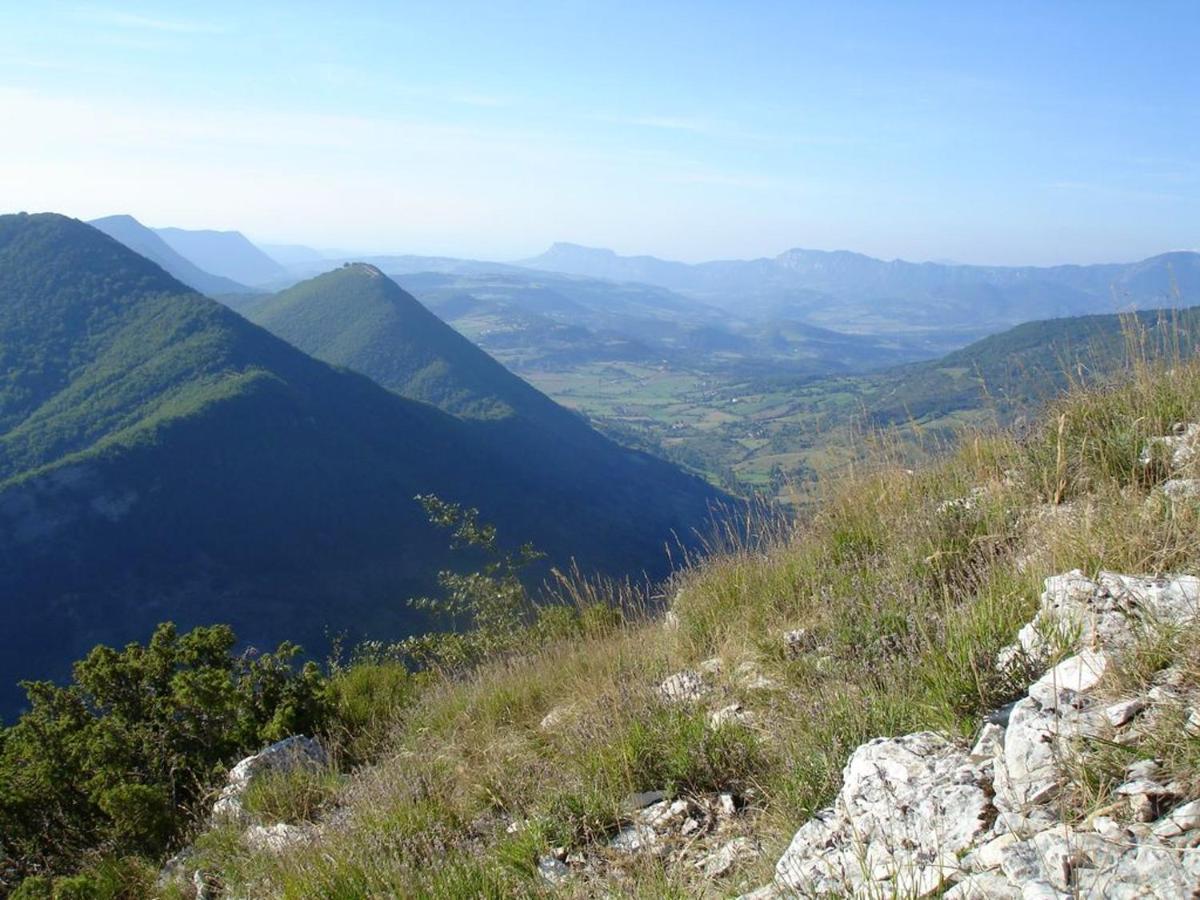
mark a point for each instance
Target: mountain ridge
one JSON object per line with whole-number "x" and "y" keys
{"x": 229, "y": 254}
{"x": 144, "y": 241}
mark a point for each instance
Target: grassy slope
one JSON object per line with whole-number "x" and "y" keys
{"x": 907, "y": 606}
{"x": 160, "y": 457}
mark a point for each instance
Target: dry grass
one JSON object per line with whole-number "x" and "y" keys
{"x": 907, "y": 584}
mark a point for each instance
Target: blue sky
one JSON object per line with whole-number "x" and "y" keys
{"x": 1012, "y": 132}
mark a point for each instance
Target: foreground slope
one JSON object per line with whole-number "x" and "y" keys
{"x": 160, "y": 457}
{"x": 868, "y": 654}
{"x": 145, "y": 242}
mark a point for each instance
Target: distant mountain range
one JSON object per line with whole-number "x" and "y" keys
{"x": 809, "y": 311}
{"x": 225, "y": 253}
{"x": 163, "y": 458}
{"x": 850, "y": 291}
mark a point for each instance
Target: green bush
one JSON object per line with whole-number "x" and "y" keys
{"x": 115, "y": 762}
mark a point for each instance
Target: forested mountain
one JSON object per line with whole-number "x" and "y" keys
{"x": 163, "y": 458}
{"x": 142, "y": 240}
{"x": 357, "y": 317}
{"x": 228, "y": 253}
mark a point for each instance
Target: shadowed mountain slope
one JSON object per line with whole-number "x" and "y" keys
{"x": 163, "y": 458}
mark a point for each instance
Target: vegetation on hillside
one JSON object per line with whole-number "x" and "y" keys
{"x": 907, "y": 584}
{"x": 163, "y": 458}
{"x": 753, "y": 432}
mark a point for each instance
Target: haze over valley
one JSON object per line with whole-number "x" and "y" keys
{"x": 567, "y": 450}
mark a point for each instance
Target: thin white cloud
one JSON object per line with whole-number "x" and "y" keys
{"x": 121, "y": 19}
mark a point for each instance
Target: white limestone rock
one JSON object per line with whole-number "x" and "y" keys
{"x": 908, "y": 807}
{"x": 683, "y": 687}
{"x": 552, "y": 869}
{"x": 276, "y": 838}
{"x": 733, "y": 714}
{"x": 1180, "y": 490}
{"x": 727, "y": 857}
{"x": 984, "y": 886}
{"x": 1178, "y": 449}
{"x": 1179, "y": 821}
{"x": 282, "y": 756}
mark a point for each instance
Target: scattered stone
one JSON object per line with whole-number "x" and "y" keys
{"x": 1192, "y": 725}
{"x": 989, "y": 855}
{"x": 723, "y": 860}
{"x": 691, "y": 826}
{"x": 989, "y": 744}
{"x": 276, "y": 838}
{"x": 1124, "y": 712}
{"x": 1142, "y": 786}
{"x": 712, "y": 666}
{"x": 733, "y": 714}
{"x": 636, "y": 838}
{"x": 684, "y": 687}
{"x": 916, "y": 815}
{"x": 1063, "y": 684}
{"x": 726, "y": 808}
{"x": 1142, "y": 808}
{"x": 671, "y": 621}
{"x": 1179, "y": 490}
{"x": 1177, "y": 449}
{"x": 1143, "y": 770}
{"x": 664, "y": 815}
{"x": 557, "y": 716}
{"x": 983, "y": 886}
{"x": 552, "y": 869}
{"x": 748, "y": 677}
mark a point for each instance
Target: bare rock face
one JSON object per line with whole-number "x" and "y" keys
{"x": 908, "y": 807}
{"x": 282, "y": 756}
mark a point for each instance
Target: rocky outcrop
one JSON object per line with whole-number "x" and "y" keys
{"x": 918, "y": 815}
{"x": 909, "y": 806}
{"x": 283, "y": 756}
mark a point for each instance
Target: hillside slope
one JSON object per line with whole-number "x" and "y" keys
{"x": 143, "y": 241}
{"x": 936, "y": 685}
{"x": 162, "y": 458}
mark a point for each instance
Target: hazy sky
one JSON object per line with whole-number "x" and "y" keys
{"x": 999, "y": 132}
